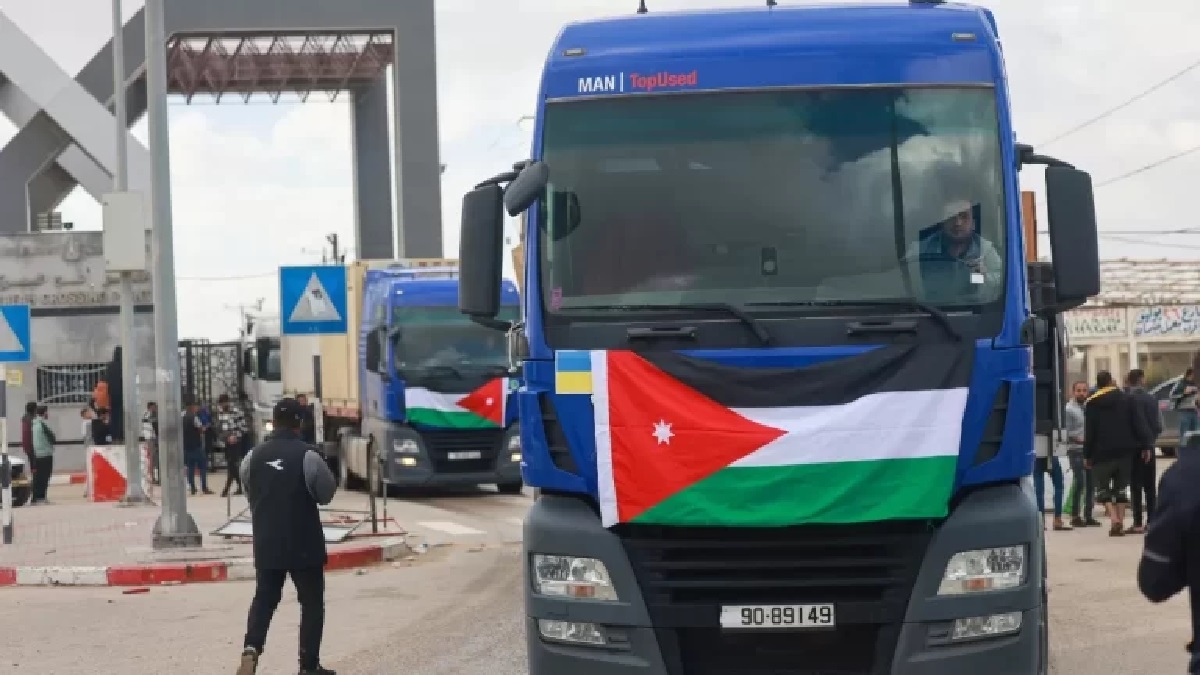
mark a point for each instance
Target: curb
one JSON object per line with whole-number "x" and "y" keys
{"x": 189, "y": 573}
{"x": 68, "y": 479}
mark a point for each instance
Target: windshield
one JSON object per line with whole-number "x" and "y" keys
{"x": 779, "y": 197}
{"x": 426, "y": 338}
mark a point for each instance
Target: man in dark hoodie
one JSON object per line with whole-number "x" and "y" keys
{"x": 1144, "y": 469}
{"x": 1115, "y": 431}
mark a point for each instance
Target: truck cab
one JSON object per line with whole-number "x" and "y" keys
{"x": 779, "y": 336}
{"x": 437, "y": 390}
{"x": 262, "y": 372}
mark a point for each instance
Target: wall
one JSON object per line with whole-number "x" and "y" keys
{"x": 75, "y": 328}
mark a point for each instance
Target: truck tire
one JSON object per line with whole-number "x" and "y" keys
{"x": 343, "y": 474}
{"x": 513, "y": 488}
{"x": 20, "y": 495}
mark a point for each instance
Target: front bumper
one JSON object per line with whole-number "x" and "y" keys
{"x": 890, "y": 619}
{"x": 455, "y": 458}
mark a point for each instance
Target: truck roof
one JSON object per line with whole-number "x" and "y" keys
{"x": 684, "y": 39}
{"x": 439, "y": 292}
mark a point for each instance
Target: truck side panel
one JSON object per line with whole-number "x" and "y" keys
{"x": 339, "y": 353}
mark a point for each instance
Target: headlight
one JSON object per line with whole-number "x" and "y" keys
{"x": 268, "y": 427}
{"x": 406, "y": 446}
{"x": 565, "y": 576}
{"x": 514, "y": 447}
{"x": 988, "y": 569}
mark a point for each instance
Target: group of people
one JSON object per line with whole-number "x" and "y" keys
{"x": 1109, "y": 434}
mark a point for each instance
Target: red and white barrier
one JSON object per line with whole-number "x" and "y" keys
{"x": 106, "y": 472}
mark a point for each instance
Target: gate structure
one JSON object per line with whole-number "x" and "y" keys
{"x": 209, "y": 369}
{"x": 237, "y": 48}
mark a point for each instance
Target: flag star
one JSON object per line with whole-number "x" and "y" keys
{"x": 662, "y": 432}
{"x": 491, "y": 401}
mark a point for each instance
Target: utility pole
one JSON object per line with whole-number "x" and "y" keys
{"x": 134, "y": 494}
{"x": 175, "y": 527}
{"x": 333, "y": 241}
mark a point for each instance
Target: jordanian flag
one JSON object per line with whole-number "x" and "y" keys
{"x": 484, "y": 408}
{"x": 690, "y": 442}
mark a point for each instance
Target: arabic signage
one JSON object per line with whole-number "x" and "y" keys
{"x": 1097, "y": 324}
{"x": 1151, "y": 323}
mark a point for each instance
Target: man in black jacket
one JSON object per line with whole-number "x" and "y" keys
{"x": 1115, "y": 431}
{"x": 285, "y": 481}
{"x": 1144, "y": 468}
{"x": 1171, "y": 558}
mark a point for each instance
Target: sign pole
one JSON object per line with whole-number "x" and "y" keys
{"x": 6, "y": 500}
{"x": 134, "y": 494}
{"x": 175, "y": 527}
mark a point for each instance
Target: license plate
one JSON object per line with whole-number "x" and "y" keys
{"x": 457, "y": 456}
{"x": 751, "y": 617}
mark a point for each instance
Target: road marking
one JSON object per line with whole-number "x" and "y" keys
{"x": 449, "y": 527}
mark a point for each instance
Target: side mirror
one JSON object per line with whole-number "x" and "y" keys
{"x": 480, "y": 252}
{"x": 1071, "y": 211}
{"x": 525, "y": 189}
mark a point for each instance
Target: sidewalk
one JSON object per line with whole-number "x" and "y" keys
{"x": 73, "y": 542}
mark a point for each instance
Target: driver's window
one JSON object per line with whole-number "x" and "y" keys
{"x": 374, "y": 356}
{"x": 250, "y": 362}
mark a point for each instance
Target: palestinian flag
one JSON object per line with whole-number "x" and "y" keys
{"x": 484, "y": 408}
{"x": 691, "y": 442}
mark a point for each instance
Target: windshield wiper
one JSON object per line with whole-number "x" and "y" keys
{"x": 429, "y": 370}
{"x": 936, "y": 314}
{"x": 736, "y": 311}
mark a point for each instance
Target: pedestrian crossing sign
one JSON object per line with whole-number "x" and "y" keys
{"x": 312, "y": 300}
{"x": 15, "y": 322}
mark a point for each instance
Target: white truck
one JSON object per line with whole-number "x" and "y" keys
{"x": 262, "y": 372}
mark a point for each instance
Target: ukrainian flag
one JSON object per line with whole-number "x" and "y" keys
{"x": 573, "y": 372}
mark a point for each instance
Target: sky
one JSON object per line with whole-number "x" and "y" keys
{"x": 279, "y": 176}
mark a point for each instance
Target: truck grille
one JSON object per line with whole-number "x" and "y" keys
{"x": 866, "y": 571}
{"x": 484, "y": 441}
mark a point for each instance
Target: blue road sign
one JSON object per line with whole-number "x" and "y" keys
{"x": 312, "y": 300}
{"x": 15, "y": 343}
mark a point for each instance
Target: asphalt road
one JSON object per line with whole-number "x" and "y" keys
{"x": 456, "y": 610}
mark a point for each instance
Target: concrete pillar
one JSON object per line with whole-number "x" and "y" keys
{"x": 418, "y": 165}
{"x": 372, "y": 172}
{"x": 24, "y": 157}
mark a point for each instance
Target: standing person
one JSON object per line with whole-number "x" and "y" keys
{"x": 86, "y": 415}
{"x": 231, "y": 431}
{"x": 194, "y": 456}
{"x": 1184, "y": 395}
{"x": 1171, "y": 556}
{"x": 1115, "y": 430}
{"x": 43, "y": 452}
{"x": 286, "y": 480}
{"x": 1144, "y": 468}
{"x": 1047, "y": 463}
{"x": 150, "y": 435}
{"x": 27, "y": 434}
{"x": 101, "y": 433}
{"x": 1083, "y": 491}
{"x": 308, "y": 428}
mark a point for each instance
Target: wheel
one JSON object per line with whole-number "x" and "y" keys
{"x": 20, "y": 496}
{"x": 343, "y": 474}
{"x": 513, "y": 488}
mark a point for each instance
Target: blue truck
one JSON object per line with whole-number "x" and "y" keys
{"x": 785, "y": 354}
{"x": 432, "y": 389}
